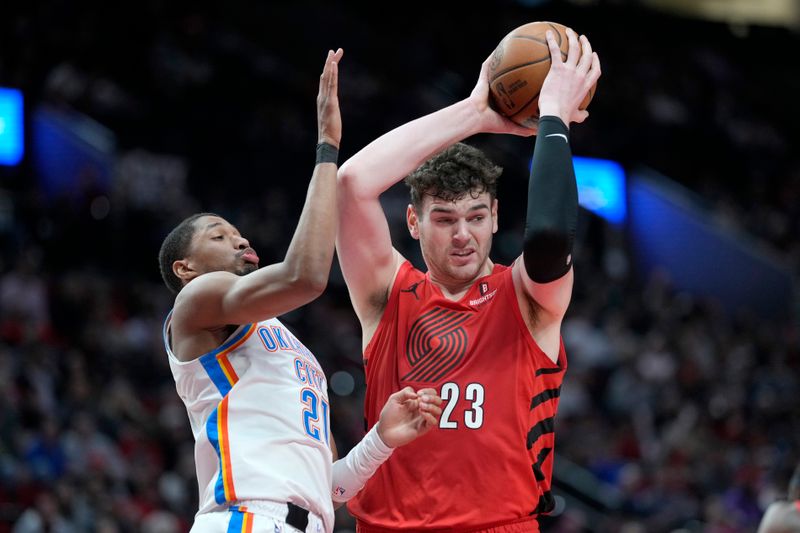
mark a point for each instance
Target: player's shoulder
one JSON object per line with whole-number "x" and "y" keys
{"x": 205, "y": 285}
{"x": 201, "y": 296}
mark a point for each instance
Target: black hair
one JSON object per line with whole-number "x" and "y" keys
{"x": 453, "y": 173}
{"x": 176, "y": 247}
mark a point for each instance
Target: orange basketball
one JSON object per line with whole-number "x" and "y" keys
{"x": 517, "y": 69}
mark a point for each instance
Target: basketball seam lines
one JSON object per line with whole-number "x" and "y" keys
{"x": 521, "y": 109}
{"x": 557, "y": 33}
{"x": 515, "y": 67}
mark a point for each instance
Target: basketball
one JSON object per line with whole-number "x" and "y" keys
{"x": 517, "y": 69}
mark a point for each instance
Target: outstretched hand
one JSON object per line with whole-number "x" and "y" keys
{"x": 568, "y": 82}
{"x": 408, "y": 415}
{"x": 491, "y": 120}
{"x": 329, "y": 119}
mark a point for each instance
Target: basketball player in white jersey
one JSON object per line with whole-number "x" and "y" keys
{"x": 256, "y": 397}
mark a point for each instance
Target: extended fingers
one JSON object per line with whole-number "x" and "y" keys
{"x": 555, "y": 51}
{"x": 574, "y": 52}
{"x": 330, "y": 71}
{"x": 333, "y": 77}
{"x": 335, "y": 58}
{"x": 594, "y": 73}
{"x": 323, "y": 78}
{"x": 586, "y": 55}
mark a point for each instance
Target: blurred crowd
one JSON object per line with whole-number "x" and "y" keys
{"x": 683, "y": 415}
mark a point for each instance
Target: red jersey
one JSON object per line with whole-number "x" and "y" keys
{"x": 491, "y": 459}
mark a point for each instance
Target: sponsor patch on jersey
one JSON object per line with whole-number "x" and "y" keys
{"x": 483, "y": 299}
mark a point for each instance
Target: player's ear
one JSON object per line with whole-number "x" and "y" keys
{"x": 413, "y": 221}
{"x": 183, "y": 270}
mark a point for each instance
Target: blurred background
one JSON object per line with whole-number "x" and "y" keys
{"x": 680, "y": 411}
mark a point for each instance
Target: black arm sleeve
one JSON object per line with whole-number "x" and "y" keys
{"x": 552, "y": 204}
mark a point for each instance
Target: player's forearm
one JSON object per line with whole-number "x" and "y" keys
{"x": 350, "y": 474}
{"x": 309, "y": 256}
{"x": 394, "y": 155}
{"x": 552, "y": 204}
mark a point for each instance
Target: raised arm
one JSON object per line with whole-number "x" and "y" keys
{"x": 544, "y": 272}
{"x": 364, "y": 247}
{"x": 221, "y": 298}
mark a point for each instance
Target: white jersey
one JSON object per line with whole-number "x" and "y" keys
{"x": 259, "y": 410}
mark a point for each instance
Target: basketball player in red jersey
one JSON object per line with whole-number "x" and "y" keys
{"x": 486, "y": 336}
{"x": 784, "y": 516}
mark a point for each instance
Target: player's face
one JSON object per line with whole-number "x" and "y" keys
{"x": 455, "y": 236}
{"x": 217, "y": 245}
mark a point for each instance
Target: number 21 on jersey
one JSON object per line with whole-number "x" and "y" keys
{"x": 315, "y": 415}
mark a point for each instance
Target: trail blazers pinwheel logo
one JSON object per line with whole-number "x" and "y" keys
{"x": 436, "y": 344}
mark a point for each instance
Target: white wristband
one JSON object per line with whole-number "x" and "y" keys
{"x": 351, "y": 473}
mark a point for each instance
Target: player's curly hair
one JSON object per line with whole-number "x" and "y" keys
{"x": 176, "y": 247}
{"x": 453, "y": 173}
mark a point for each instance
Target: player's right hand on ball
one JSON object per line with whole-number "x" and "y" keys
{"x": 408, "y": 415}
{"x": 568, "y": 82}
{"x": 329, "y": 119}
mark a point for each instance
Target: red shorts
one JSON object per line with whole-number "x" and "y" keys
{"x": 519, "y": 525}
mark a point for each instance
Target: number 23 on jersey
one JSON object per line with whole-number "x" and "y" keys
{"x": 473, "y": 394}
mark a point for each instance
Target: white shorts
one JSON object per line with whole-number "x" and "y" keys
{"x": 256, "y": 516}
